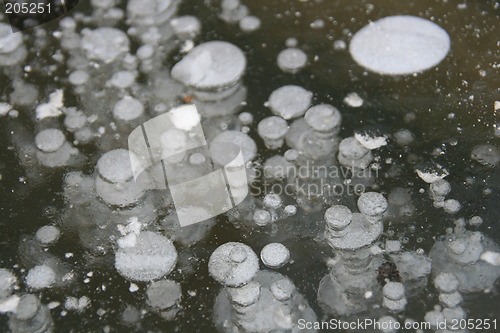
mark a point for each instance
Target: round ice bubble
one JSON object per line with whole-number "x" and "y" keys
{"x": 9, "y": 41}
{"x": 128, "y": 109}
{"x": 163, "y": 294}
{"x": 290, "y": 101}
{"x": 223, "y": 154}
{"x": 249, "y": 23}
{"x": 441, "y": 187}
{"x": 186, "y": 27}
{"x": 352, "y": 149}
{"x": 446, "y": 282}
{"x": 150, "y": 257}
{"x": 338, "y": 217}
{"x": 372, "y": 203}
{"x": 225, "y": 264}
{"x": 291, "y": 42}
{"x": 272, "y": 128}
{"x": 290, "y": 210}
{"x": 261, "y": 217}
{"x": 292, "y": 60}
{"x": 40, "y": 277}
{"x": 78, "y": 77}
{"x": 323, "y": 117}
{"x": 50, "y": 140}
{"x": 105, "y": 44}
{"x": 211, "y": 65}
{"x": 486, "y": 155}
{"x": 275, "y": 255}
{"x": 7, "y": 282}
{"x": 272, "y": 201}
{"x": 245, "y": 295}
{"x": 114, "y": 166}
{"x": 282, "y": 289}
{"x": 245, "y": 118}
{"x": 47, "y": 234}
{"x": 399, "y": 45}
{"x": 394, "y": 290}
{"x": 27, "y": 307}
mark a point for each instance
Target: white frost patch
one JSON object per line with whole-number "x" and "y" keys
{"x": 353, "y": 100}
{"x": 4, "y": 109}
{"x": 53, "y": 107}
{"x": 431, "y": 177}
{"x": 9, "y": 304}
{"x": 492, "y": 258}
{"x": 370, "y": 142}
{"x": 40, "y": 277}
{"x": 127, "y": 241}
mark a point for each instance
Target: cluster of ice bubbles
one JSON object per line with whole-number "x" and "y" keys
{"x": 133, "y": 222}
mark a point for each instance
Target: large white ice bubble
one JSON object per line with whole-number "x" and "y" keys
{"x": 398, "y": 45}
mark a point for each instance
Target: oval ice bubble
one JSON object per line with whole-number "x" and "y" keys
{"x": 150, "y": 257}
{"x": 114, "y": 166}
{"x": 186, "y": 27}
{"x": 163, "y": 294}
{"x": 290, "y": 101}
{"x": 223, "y": 154}
{"x": 261, "y": 217}
{"x": 323, "y": 118}
{"x": 352, "y": 149}
{"x": 128, "y": 109}
{"x": 47, "y": 234}
{"x": 272, "y": 201}
{"x": 372, "y": 203}
{"x": 338, "y": 217}
{"x": 292, "y": 60}
{"x": 399, "y": 45}
{"x": 233, "y": 264}
{"x": 246, "y": 295}
{"x": 282, "y": 289}
{"x": 249, "y": 23}
{"x": 28, "y": 307}
{"x": 105, "y": 44}
{"x": 7, "y": 282}
{"x": 40, "y": 277}
{"x": 275, "y": 255}
{"x": 273, "y": 130}
{"x": 211, "y": 65}
{"x": 50, "y": 140}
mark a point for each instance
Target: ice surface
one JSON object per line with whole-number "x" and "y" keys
{"x": 50, "y": 140}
